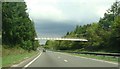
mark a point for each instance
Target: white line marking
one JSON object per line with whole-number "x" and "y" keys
{"x": 33, "y": 60}
{"x": 65, "y": 60}
{"x": 89, "y": 58}
{"x": 98, "y": 60}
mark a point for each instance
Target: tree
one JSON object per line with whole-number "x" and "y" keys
{"x": 115, "y": 36}
{"x": 17, "y": 28}
{"x": 104, "y": 35}
{"x": 109, "y": 17}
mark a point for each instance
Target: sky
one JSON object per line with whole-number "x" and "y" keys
{"x": 53, "y": 18}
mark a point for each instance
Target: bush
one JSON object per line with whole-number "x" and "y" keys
{"x": 27, "y": 45}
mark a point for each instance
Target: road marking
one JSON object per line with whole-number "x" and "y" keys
{"x": 98, "y": 60}
{"x": 33, "y": 60}
{"x": 65, "y": 60}
{"x": 89, "y": 58}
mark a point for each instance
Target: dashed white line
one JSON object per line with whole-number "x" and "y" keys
{"x": 90, "y": 58}
{"x": 65, "y": 61}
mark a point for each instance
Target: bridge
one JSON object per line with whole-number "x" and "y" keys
{"x": 71, "y": 39}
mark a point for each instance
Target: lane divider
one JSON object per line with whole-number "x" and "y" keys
{"x": 32, "y": 60}
{"x": 89, "y": 58}
{"x": 65, "y": 60}
{"x": 98, "y": 60}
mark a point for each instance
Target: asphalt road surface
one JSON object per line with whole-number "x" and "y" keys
{"x": 56, "y": 59}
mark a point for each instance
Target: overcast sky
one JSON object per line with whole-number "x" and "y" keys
{"x": 62, "y": 10}
{"x": 62, "y": 15}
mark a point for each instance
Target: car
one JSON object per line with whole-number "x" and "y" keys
{"x": 44, "y": 50}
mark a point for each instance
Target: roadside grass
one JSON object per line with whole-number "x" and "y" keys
{"x": 11, "y": 56}
{"x": 106, "y": 58}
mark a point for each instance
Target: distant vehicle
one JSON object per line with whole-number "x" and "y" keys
{"x": 44, "y": 50}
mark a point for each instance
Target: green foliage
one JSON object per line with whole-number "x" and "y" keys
{"x": 114, "y": 39}
{"x": 17, "y": 28}
{"x": 27, "y": 45}
{"x": 102, "y": 36}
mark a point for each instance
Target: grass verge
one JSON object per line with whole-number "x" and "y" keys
{"x": 15, "y": 55}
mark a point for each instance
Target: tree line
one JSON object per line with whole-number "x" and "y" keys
{"x": 103, "y": 35}
{"x": 17, "y": 28}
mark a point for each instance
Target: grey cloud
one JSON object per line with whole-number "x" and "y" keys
{"x": 54, "y": 19}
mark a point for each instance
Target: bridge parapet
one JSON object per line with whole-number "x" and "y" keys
{"x": 71, "y": 39}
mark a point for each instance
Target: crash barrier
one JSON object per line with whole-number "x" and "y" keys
{"x": 102, "y": 54}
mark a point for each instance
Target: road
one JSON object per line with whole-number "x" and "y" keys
{"x": 56, "y": 59}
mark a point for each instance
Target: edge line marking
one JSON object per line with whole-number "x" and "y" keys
{"x": 33, "y": 60}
